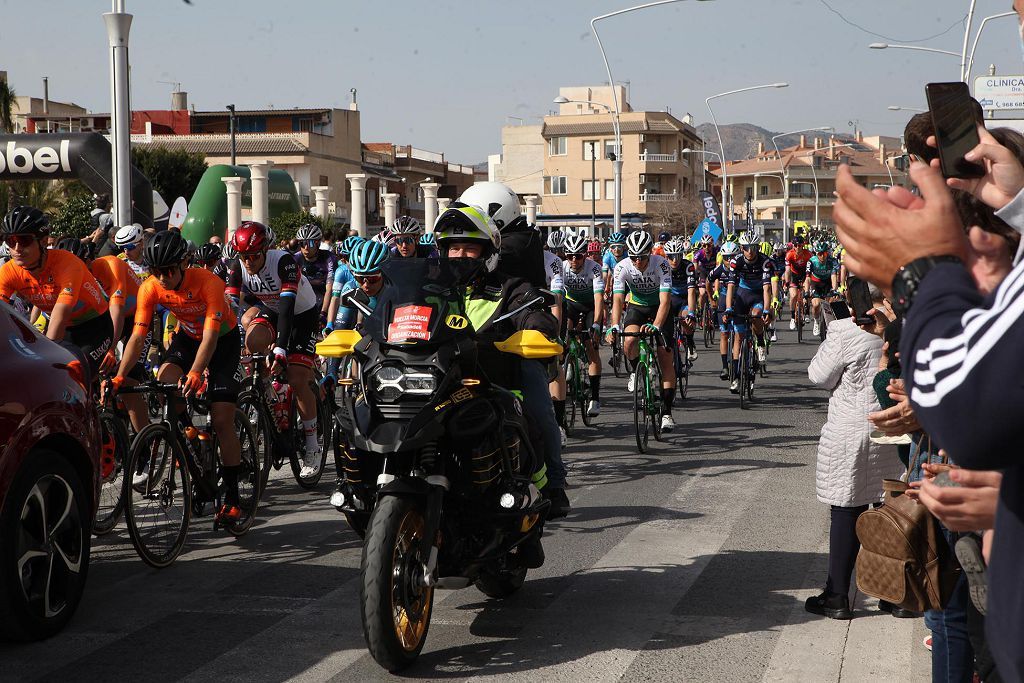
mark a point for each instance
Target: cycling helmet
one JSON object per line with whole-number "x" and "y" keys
{"x": 75, "y": 246}
{"x": 427, "y": 239}
{"x": 165, "y": 249}
{"x": 639, "y": 243}
{"x": 616, "y": 238}
{"x": 367, "y": 258}
{"x": 747, "y": 240}
{"x": 5, "y": 252}
{"x": 228, "y": 251}
{"x": 309, "y": 231}
{"x": 664, "y": 237}
{"x": 271, "y": 237}
{"x": 730, "y": 249}
{"x": 349, "y": 244}
{"x": 556, "y": 240}
{"x": 778, "y": 246}
{"x": 821, "y": 247}
{"x": 129, "y": 234}
{"x": 594, "y": 248}
{"x": 468, "y": 224}
{"x": 731, "y": 237}
{"x": 766, "y": 248}
{"x": 707, "y": 240}
{"x": 385, "y": 236}
{"x": 208, "y": 252}
{"x": 250, "y": 238}
{"x": 674, "y": 248}
{"x": 26, "y": 220}
{"x": 499, "y": 202}
{"x": 406, "y": 225}
{"x": 576, "y": 244}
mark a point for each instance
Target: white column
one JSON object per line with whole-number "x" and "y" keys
{"x": 442, "y": 204}
{"x": 321, "y": 192}
{"x": 118, "y": 26}
{"x": 234, "y": 188}
{"x": 390, "y": 208}
{"x": 531, "y": 208}
{"x": 259, "y": 176}
{"x": 358, "y": 219}
{"x": 430, "y": 204}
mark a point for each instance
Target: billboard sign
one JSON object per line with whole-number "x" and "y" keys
{"x": 999, "y": 92}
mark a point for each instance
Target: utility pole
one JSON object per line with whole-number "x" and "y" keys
{"x": 231, "y": 124}
{"x": 593, "y": 189}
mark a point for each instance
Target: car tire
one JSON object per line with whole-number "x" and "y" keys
{"x": 38, "y": 601}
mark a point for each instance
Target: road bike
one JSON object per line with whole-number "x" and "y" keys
{"x": 115, "y": 441}
{"x": 647, "y": 404}
{"x": 576, "y": 364}
{"x": 707, "y": 323}
{"x": 680, "y": 362}
{"x": 747, "y": 362}
{"x": 173, "y": 472}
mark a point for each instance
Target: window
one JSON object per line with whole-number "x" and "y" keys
{"x": 609, "y": 189}
{"x": 556, "y": 147}
{"x": 609, "y": 148}
{"x": 556, "y": 184}
{"x": 764, "y": 190}
{"x": 589, "y": 187}
{"x": 591, "y": 145}
{"x": 323, "y": 180}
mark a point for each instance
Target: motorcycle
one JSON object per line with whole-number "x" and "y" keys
{"x": 442, "y": 480}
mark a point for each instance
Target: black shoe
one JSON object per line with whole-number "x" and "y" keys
{"x": 897, "y": 611}
{"x": 829, "y": 605}
{"x": 559, "y": 503}
{"x": 724, "y": 375}
{"x": 530, "y": 553}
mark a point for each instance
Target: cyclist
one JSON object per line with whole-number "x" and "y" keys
{"x": 717, "y": 286}
{"x": 823, "y": 273}
{"x": 58, "y": 284}
{"x": 317, "y": 265}
{"x": 406, "y": 232}
{"x": 684, "y": 294}
{"x": 644, "y": 281}
{"x": 553, "y": 280}
{"x": 778, "y": 261}
{"x": 129, "y": 240}
{"x": 659, "y": 246}
{"x": 365, "y": 262}
{"x": 342, "y": 276}
{"x": 748, "y": 294}
{"x": 207, "y": 342}
{"x": 796, "y": 272}
{"x": 428, "y": 245}
{"x": 616, "y": 252}
{"x": 594, "y": 252}
{"x": 282, "y": 316}
{"x": 583, "y": 290}
{"x": 210, "y": 257}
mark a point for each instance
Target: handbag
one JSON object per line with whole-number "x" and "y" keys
{"x": 904, "y": 557}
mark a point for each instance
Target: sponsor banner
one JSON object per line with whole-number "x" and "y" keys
{"x": 707, "y": 227}
{"x": 711, "y": 208}
{"x": 410, "y": 322}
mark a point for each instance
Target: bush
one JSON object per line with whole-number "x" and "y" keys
{"x": 172, "y": 173}
{"x": 72, "y": 219}
{"x": 287, "y": 224}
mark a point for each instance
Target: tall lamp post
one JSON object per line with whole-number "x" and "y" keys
{"x": 704, "y": 152}
{"x": 895, "y": 107}
{"x": 231, "y": 124}
{"x": 814, "y": 174}
{"x": 617, "y": 162}
{"x": 725, "y": 173}
{"x": 118, "y": 24}
{"x": 785, "y": 180}
{"x": 593, "y": 189}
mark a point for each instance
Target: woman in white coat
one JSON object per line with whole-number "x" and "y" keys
{"x": 850, "y": 467}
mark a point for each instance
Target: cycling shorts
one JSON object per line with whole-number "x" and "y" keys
{"x": 223, "y": 381}
{"x": 820, "y": 289}
{"x": 90, "y": 341}
{"x": 301, "y": 346}
{"x": 746, "y": 302}
{"x": 797, "y": 279}
{"x": 640, "y": 315}
{"x": 578, "y": 314}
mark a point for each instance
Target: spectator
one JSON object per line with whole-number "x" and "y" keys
{"x": 850, "y": 467}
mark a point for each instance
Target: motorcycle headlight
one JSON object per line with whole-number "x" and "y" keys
{"x": 389, "y": 383}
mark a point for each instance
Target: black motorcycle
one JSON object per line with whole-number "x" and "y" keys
{"x": 438, "y": 459}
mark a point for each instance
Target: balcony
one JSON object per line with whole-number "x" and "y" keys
{"x": 659, "y": 158}
{"x": 653, "y": 197}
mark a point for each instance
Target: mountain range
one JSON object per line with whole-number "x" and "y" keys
{"x": 741, "y": 139}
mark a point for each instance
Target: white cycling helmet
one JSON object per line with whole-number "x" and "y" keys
{"x": 730, "y": 249}
{"x": 674, "y": 248}
{"x": 129, "y": 234}
{"x": 556, "y": 240}
{"x": 308, "y": 232}
{"x": 639, "y": 243}
{"x": 497, "y": 199}
{"x": 576, "y": 244}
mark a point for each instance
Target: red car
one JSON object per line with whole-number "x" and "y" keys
{"x": 49, "y": 481}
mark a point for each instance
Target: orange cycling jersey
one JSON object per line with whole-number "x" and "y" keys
{"x": 64, "y": 279}
{"x": 198, "y": 304}
{"x": 119, "y": 282}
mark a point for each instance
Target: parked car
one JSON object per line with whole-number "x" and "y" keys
{"x": 49, "y": 481}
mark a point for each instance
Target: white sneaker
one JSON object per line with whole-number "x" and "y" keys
{"x": 631, "y": 382}
{"x": 691, "y": 354}
{"x": 140, "y": 478}
{"x": 667, "y": 424}
{"x": 311, "y": 463}
{"x": 735, "y": 386}
{"x": 594, "y": 409}
{"x": 817, "y": 329}
{"x": 561, "y": 433}
{"x": 775, "y": 337}
{"x": 762, "y": 354}
{"x": 792, "y": 324}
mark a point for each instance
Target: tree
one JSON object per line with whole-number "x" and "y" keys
{"x": 45, "y": 195}
{"x": 286, "y": 224}
{"x": 173, "y": 173}
{"x": 72, "y": 219}
{"x": 679, "y": 216}
{"x": 6, "y": 107}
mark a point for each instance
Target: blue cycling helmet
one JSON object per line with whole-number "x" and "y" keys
{"x": 367, "y": 258}
{"x": 427, "y": 239}
{"x": 616, "y": 238}
{"x": 349, "y": 244}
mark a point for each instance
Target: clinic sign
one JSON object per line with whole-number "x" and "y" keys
{"x": 999, "y": 92}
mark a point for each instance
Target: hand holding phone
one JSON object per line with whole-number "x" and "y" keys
{"x": 956, "y": 128}
{"x": 860, "y": 300}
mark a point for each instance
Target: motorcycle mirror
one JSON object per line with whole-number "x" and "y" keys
{"x": 357, "y": 299}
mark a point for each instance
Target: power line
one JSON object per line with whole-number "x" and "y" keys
{"x": 959, "y": 22}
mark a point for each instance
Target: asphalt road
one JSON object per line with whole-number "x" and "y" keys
{"x": 690, "y": 562}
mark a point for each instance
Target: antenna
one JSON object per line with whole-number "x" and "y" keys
{"x": 176, "y": 84}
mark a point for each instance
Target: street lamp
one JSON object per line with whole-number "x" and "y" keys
{"x": 886, "y": 46}
{"x": 617, "y": 162}
{"x": 231, "y": 124}
{"x": 977, "y": 37}
{"x": 814, "y": 174}
{"x": 721, "y": 145}
{"x": 894, "y": 107}
{"x": 785, "y": 180}
{"x": 705, "y": 152}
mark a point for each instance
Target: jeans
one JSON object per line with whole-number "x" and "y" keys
{"x": 538, "y": 407}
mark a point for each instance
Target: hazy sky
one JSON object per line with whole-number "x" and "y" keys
{"x": 444, "y": 75}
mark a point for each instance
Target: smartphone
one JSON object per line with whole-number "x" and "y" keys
{"x": 956, "y": 128}
{"x": 860, "y": 300}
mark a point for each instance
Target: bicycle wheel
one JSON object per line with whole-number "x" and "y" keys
{"x": 655, "y": 404}
{"x": 799, "y": 315}
{"x": 683, "y": 380}
{"x": 616, "y": 362}
{"x": 158, "y": 510}
{"x": 114, "y": 442}
{"x": 571, "y": 391}
{"x": 249, "y": 476}
{"x": 743, "y": 370}
{"x": 640, "y": 421}
{"x": 249, "y": 404}
{"x": 584, "y": 391}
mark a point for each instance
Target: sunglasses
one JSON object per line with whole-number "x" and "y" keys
{"x": 405, "y": 240}
{"x": 21, "y": 241}
{"x": 130, "y": 247}
{"x": 250, "y": 257}
{"x": 575, "y": 256}
{"x": 311, "y": 244}
{"x": 368, "y": 279}
{"x": 748, "y": 247}
{"x": 165, "y": 271}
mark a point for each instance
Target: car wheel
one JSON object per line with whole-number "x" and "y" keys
{"x": 44, "y": 547}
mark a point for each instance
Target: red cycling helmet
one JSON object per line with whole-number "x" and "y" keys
{"x": 250, "y": 238}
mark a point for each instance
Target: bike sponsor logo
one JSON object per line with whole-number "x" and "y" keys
{"x": 710, "y": 210}
{"x": 23, "y": 160}
{"x": 456, "y": 322}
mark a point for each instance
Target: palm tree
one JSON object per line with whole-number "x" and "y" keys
{"x": 6, "y": 107}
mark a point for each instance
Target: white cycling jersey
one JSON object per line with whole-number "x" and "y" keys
{"x": 643, "y": 288}
{"x": 553, "y": 272}
{"x": 280, "y": 274}
{"x": 582, "y": 286}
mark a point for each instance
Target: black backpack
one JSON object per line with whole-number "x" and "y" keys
{"x": 522, "y": 253}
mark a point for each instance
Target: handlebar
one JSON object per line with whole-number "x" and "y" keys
{"x": 150, "y": 387}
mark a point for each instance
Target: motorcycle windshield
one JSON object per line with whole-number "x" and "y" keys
{"x": 422, "y": 301}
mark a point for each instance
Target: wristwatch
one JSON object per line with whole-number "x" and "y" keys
{"x": 908, "y": 278}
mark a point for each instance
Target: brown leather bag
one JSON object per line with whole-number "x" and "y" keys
{"x": 904, "y": 557}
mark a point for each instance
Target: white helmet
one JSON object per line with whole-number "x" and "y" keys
{"x": 555, "y": 240}
{"x": 468, "y": 224}
{"x": 639, "y": 243}
{"x": 500, "y": 202}
{"x": 129, "y": 234}
{"x": 673, "y": 248}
